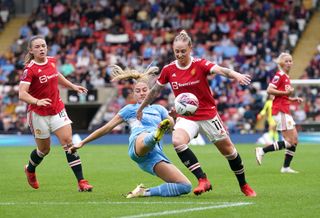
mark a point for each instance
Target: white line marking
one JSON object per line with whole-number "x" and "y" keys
{"x": 168, "y": 212}
{"x": 119, "y": 202}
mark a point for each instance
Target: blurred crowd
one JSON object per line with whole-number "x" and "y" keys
{"x": 87, "y": 37}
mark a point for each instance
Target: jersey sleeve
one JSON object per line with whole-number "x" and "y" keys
{"x": 126, "y": 112}
{"x": 207, "y": 66}
{"x": 276, "y": 80}
{"x": 163, "y": 112}
{"x": 163, "y": 78}
{"x": 26, "y": 76}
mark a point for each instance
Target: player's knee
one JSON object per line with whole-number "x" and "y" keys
{"x": 291, "y": 142}
{"x": 43, "y": 152}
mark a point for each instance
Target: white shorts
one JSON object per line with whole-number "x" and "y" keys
{"x": 213, "y": 129}
{"x": 42, "y": 126}
{"x": 284, "y": 121}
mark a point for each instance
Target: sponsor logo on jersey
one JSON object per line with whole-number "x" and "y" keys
{"x": 45, "y": 78}
{"x": 176, "y": 85}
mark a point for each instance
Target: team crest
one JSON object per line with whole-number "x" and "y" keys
{"x": 38, "y": 131}
{"x": 275, "y": 79}
{"x": 193, "y": 72}
{"x": 53, "y": 65}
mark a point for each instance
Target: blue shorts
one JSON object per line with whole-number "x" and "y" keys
{"x": 148, "y": 161}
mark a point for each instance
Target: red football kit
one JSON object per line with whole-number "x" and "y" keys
{"x": 43, "y": 80}
{"x": 281, "y": 82}
{"x": 193, "y": 79}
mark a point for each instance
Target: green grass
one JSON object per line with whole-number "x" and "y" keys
{"x": 112, "y": 173}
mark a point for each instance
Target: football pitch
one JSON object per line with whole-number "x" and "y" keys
{"x": 112, "y": 173}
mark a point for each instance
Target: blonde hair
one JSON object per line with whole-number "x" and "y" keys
{"x": 280, "y": 58}
{"x": 118, "y": 74}
{"x": 29, "y": 57}
{"x": 183, "y": 36}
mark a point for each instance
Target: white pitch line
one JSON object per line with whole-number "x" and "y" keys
{"x": 115, "y": 202}
{"x": 168, "y": 212}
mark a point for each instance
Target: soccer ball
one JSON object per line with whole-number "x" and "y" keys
{"x": 186, "y": 104}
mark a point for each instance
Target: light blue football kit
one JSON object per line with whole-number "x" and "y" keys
{"x": 152, "y": 116}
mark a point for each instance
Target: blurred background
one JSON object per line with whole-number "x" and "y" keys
{"x": 87, "y": 37}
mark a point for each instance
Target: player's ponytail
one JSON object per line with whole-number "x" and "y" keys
{"x": 117, "y": 74}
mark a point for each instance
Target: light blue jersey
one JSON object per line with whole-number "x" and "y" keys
{"x": 152, "y": 116}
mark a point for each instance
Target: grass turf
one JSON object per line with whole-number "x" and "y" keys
{"x": 112, "y": 173}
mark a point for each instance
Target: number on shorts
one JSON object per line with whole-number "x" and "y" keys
{"x": 217, "y": 124}
{"x": 62, "y": 114}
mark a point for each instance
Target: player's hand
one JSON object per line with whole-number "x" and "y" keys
{"x": 75, "y": 147}
{"x": 80, "y": 89}
{"x": 297, "y": 99}
{"x": 44, "y": 102}
{"x": 173, "y": 113}
{"x": 290, "y": 91}
{"x": 259, "y": 116}
{"x": 139, "y": 114}
{"x": 243, "y": 79}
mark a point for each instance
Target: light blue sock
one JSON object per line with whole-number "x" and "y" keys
{"x": 170, "y": 189}
{"x": 149, "y": 140}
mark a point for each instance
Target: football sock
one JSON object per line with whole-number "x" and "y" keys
{"x": 74, "y": 162}
{"x": 149, "y": 140}
{"x": 236, "y": 165}
{"x": 36, "y": 157}
{"x": 288, "y": 156}
{"x": 276, "y": 146}
{"x": 189, "y": 159}
{"x": 169, "y": 190}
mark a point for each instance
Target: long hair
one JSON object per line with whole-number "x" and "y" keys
{"x": 118, "y": 74}
{"x": 29, "y": 57}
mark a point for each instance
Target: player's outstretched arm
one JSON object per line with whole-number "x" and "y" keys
{"x": 243, "y": 79}
{"x": 63, "y": 81}
{"x": 115, "y": 121}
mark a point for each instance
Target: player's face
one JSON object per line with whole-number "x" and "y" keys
{"x": 39, "y": 49}
{"x": 182, "y": 52}
{"x": 286, "y": 63}
{"x": 141, "y": 90}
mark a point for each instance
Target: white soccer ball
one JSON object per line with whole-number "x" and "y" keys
{"x": 186, "y": 104}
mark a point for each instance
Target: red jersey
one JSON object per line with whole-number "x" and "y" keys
{"x": 281, "y": 82}
{"x": 43, "y": 80}
{"x": 193, "y": 79}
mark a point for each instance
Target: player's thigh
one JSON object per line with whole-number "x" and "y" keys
{"x": 64, "y": 134}
{"x": 170, "y": 173}
{"x": 139, "y": 147}
{"x": 61, "y": 126}
{"x": 291, "y": 136}
{"x": 184, "y": 131}
{"x": 39, "y": 125}
{"x": 284, "y": 121}
{"x": 214, "y": 129}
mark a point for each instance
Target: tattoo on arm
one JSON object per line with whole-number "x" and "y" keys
{"x": 152, "y": 95}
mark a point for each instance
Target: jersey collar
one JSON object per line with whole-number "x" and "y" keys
{"x": 186, "y": 67}
{"x": 44, "y": 63}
